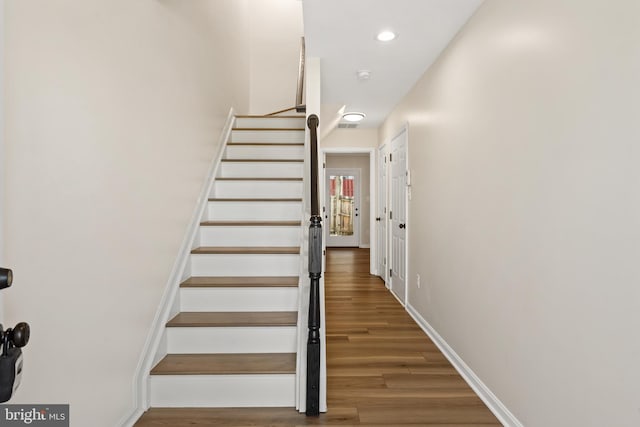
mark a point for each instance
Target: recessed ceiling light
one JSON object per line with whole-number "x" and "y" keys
{"x": 386, "y": 36}
{"x": 363, "y": 75}
{"x": 353, "y": 116}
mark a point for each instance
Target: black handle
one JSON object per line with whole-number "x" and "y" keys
{"x": 378, "y": 219}
{"x": 402, "y": 226}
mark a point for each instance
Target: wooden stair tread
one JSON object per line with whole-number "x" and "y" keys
{"x": 211, "y": 319}
{"x": 251, "y": 223}
{"x": 284, "y": 144}
{"x": 226, "y": 364}
{"x": 253, "y": 250}
{"x": 279, "y": 416}
{"x": 268, "y": 129}
{"x": 241, "y": 282}
{"x": 258, "y": 179}
{"x": 263, "y": 160}
{"x": 253, "y": 200}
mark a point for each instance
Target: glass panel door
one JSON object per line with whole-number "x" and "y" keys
{"x": 342, "y": 216}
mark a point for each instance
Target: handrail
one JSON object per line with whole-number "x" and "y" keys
{"x": 275, "y": 113}
{"x": 315, "y": 273}
{"x": 313, "y": 123}
{"x": 300, "y": 107}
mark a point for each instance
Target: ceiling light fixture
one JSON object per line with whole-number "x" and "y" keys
{"x": 354, "y": 116}
{"x": 386, "y": 36}
{"x": 363, "y": 75}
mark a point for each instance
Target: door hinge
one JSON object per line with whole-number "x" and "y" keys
{"x": 390, "y": 157}
{"x": 324, "y": 165}
{"x": 390, "y": 272}
{"x": 385, "y": 159}
{"x": 390, "y": 214}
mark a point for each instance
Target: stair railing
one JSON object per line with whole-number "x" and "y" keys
{"x": 300, "y": 107}
{"x": 315, "y": 273}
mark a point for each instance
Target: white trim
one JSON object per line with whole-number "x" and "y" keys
{"x": 407, "y": 215}
{"x": 130, "y": 419}
{"x": 396, "y": 297}
{"x": 152, "y": 343}
{"x": 491, "y": 400}
{"x": 365, "y": 246}
{"x": 383, "y": 274}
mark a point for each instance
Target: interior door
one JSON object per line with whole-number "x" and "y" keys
{"x": 398, "y": 216}
{"x": 381, "y": 215}
{"x": 342, "y": 214}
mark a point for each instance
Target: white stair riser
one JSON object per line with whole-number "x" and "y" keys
{"x": 263, "y": 211}
{"x": 249, "y": 236}
{"x": 261, "y": 170}
{"x": 257, "y": 189}
{"x": 245, "y": 265}
{"x": 217, "y": 391}
{"x": 264, "y": 152}
{"x": 256, "y": 136}
{"x": 239, "y": 299}
{"x": 263, "y": 339}
{"x": 270, "y": 122}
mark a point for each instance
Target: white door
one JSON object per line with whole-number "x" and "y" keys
{"x": 381, "y": 215}
{"x": 398, "y": 216}
{"x": 342, "y": 210}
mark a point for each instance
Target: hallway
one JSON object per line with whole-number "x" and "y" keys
{"x": 382, "y": 369}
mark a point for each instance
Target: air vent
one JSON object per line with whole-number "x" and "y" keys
{"x": 347, "y": 125}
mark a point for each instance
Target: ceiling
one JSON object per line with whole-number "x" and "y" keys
{"x": 342, "y": 34}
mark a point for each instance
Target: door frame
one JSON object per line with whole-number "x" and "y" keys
{"x": 356, "y": 172}
{"x": 382, "y": 187}
{"x": 407, "y": 197}
{"x": 372, "y": 189}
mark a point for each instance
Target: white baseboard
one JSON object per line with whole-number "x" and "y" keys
{"x": 493, "y": 403}
{"x": 130, "y": 419}
{"x": 362, "y": 246}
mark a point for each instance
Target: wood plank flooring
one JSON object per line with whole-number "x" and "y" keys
{"x": 382, "y": 369}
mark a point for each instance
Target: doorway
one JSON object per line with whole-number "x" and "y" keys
{"x": 363, "y": 159}
{"x": 342, "y": 214}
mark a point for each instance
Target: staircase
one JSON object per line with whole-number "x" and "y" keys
{"x": 234, "y": 341}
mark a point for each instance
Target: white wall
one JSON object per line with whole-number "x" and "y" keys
{"x": 525, "y": 215}
{"x": 351, "y": 138}
{"x": 2, "y": 161}
{"x": 275, "y": 30}
{"x": 357, "y": 161}
{"x": 113, "y": 111}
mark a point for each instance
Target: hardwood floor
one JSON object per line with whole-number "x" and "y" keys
{"x": 382, "y": 369}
